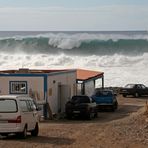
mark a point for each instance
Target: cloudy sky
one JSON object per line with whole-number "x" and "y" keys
{"x": 73, "y": 15}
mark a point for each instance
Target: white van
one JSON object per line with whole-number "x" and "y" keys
{"x": 18, "y": 115}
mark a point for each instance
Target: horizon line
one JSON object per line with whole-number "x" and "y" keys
{"x": 69, "y": 30}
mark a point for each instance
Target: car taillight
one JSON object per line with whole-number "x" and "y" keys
{"x": 17, "y": 120}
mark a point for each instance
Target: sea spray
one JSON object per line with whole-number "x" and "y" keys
{"x": 118, "y": 69}
{"x": 122, "y": 56}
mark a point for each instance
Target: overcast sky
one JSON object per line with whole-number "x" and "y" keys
{"x": 73, "y": 15}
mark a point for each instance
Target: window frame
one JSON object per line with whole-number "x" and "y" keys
{"x": 11, "y": 91}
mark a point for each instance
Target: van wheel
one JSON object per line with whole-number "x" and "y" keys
{"x": 35, "y": 131}
{"x": 23, "y": 134}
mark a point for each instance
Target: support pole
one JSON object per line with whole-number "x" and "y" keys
{"x": 102, "y": 81}
{"x": 83, "y": 88}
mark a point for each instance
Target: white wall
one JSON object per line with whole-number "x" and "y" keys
{"x": 67, "y": 79}
{"x": 53, "y": 82}
{"x": 34, "y": 83}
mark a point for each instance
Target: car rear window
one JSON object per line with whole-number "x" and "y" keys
{"x": 129, "y": 86}
{"x": 104, "y": 93}
{"x": 8, "y": 105}
{"x": 80, "y": 99}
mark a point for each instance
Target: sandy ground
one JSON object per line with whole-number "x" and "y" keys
{"x": 127, "y": 127}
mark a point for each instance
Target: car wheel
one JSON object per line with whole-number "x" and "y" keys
{"x": 69, "y": 116}
{"x": 89, "y": 116}
{"x": 23, "y": 134}
{"x": 124, "y": 95}
{"x": 116, "y": 105}
{"x": 95, "y": 114}
{"x": 113, "y": 108}
{"x": 35, "y": 131}
{"x": 136, "y": 95}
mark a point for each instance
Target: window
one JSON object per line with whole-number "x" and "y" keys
{"x": 138, "y": 86}
{"x": 103, "y": 93}
{"x": 32, "y": 105}
{"x": 143, "y": 86}
{"x": 8, "y": 105}
{"x": 25, "y": 106}
{"x": 129, "y": 86}
{"x": 80, "y": 99}
{"x": 18, "y": 87}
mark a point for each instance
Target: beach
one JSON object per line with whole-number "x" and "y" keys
{"x": 122, "y": 56}
{"x": 127, "y": 127}
{"x": 54, "y": 51}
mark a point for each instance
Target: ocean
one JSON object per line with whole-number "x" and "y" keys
{"x": 121, "y": 55}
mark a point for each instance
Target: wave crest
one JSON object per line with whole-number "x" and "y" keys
{"x": 76, "y": 43}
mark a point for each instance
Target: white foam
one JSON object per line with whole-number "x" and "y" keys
{"x": 118, "y": 69}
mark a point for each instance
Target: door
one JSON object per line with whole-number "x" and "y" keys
{"x": 64, "y": 94}
{"x": 28, "y": 116}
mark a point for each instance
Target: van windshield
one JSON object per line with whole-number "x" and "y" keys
{"x": 8, "y": 105}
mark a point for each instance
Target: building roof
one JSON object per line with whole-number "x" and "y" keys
{"x": 87, "y": 74}
{"x": 81, "y": 74}
{"x": 37, "y": 71}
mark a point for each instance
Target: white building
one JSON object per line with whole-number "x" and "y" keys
{"x": 49, "y": 86}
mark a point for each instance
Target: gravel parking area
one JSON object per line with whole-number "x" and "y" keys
{"x": 127, "y": 127}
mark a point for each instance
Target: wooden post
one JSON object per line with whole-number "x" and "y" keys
{"x": 49, "y": 112}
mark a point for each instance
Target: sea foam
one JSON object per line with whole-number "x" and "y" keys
{"x": 118, "y": 69}
{"x": 122, "y": 56}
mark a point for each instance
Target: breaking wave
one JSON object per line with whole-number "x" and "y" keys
{"x": 78, "y": 44}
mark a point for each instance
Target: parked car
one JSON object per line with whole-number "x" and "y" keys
{"x": 135, "y": 90}
{"x": 18, "y": 115}
{"x": 81, "y": 105}
{"x": 105, "y": 99}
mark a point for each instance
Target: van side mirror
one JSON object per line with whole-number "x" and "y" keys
{"x": 33, "y": 107}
